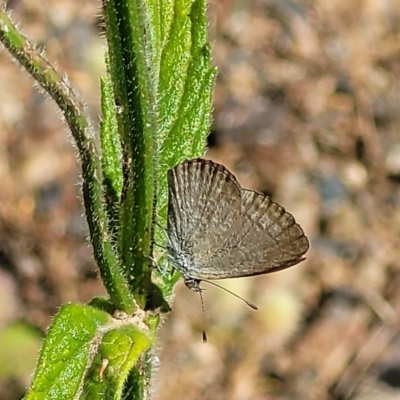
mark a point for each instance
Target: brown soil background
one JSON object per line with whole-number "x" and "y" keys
{"x": 307, "y": 110}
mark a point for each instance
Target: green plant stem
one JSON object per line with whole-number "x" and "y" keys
{"x": 127, "y": 33}
{"x": 73, "y": 111}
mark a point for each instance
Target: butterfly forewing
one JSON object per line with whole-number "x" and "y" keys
{"x": 204, "y": 201}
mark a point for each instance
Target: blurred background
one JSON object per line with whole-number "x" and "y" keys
{"x": 307, "y": 110}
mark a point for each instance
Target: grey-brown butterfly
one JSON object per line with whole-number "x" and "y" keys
{"x": 218, "y": 230}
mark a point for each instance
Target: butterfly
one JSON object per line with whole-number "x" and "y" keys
{"x": 217, "y": 229}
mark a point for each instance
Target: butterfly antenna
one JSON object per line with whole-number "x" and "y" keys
{"x": 251, "y": 305}
{"x": 203, "y": 310}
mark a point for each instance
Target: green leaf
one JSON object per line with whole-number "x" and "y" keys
{"x": 186, "y": 83}
{"x": 117, "y": 355}
{"x": 160, "y": 64}
{"x": 185, "y": 100}
{"x": 87, "y": 353}
{"x": 66, "y": 352}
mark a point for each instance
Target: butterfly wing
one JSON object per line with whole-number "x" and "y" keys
{"x": 265, "y": 238}
{"x": 204, "y": 203}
